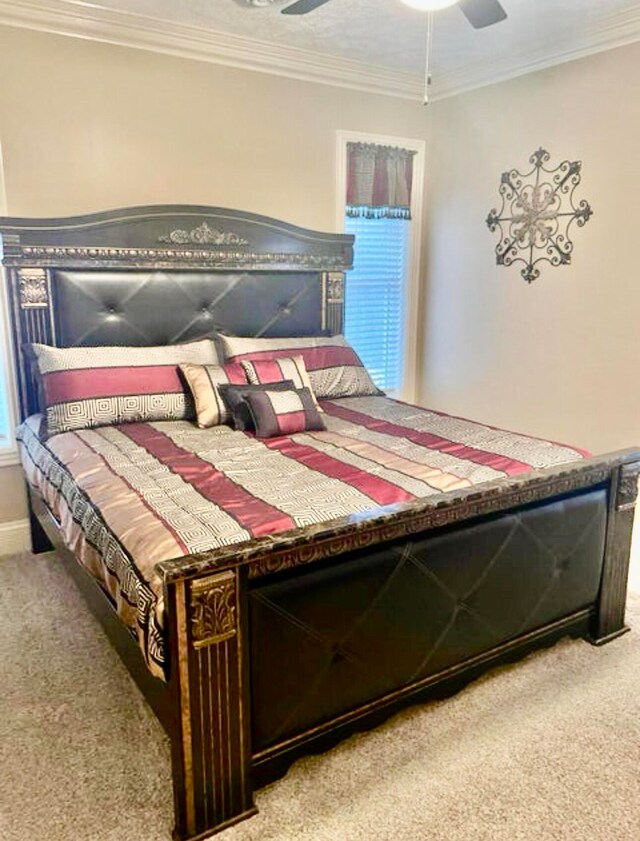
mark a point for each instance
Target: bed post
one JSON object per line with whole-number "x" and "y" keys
{"x": 608, "y": 622}
{"x": 211, "y": 753}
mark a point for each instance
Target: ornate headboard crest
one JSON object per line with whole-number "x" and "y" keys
{"x": 172, "y": 236}
{"x": 167, "y": 239}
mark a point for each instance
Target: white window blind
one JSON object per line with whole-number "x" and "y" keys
{"x": 376, "y": 292}
{"x": 6, "y": 419}
{"x": 5, "y": 437}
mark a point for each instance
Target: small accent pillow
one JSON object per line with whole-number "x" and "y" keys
{"x": 84, "y": 387}
{"x": 277, "y": 413}
{"x": 204, "y": 382}
{"x": 235, "y": 396}
{"x": 335, "y": 369}
{"x": 267, "y": 371}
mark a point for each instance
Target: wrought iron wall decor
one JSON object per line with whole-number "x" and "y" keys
{"x": 537, "y": 212}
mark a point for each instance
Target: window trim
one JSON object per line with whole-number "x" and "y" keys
{"x": 409, "y": 389}
{"x": 8, "y": 452}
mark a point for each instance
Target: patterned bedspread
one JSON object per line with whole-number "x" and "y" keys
{"x": 129, "y": 496}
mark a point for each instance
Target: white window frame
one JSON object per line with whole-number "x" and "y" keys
{"x": 8, "y": 452}
{"x": 409, "y": 388}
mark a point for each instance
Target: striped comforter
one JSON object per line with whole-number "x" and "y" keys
{"x": 129, "y": 496}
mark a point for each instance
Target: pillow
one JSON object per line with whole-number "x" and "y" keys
{"x": 335, "y": 369}
{"x": 83, "y": 387}
{"x": 267, "y": 371}
{"x": 204, "y": 382}
{"x": 234, "y": 397}
{"x": 277, "y": 413}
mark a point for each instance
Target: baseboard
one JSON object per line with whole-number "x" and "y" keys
{"x": 15, "y": 536}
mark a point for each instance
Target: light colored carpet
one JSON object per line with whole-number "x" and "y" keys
{"x": 546, "y": 750}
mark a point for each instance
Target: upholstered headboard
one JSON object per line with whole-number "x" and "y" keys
{"x": 166, "y": 274}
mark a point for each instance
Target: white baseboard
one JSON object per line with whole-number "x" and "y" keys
{"x": 14, "y": 537}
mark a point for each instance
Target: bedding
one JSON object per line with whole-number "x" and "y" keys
{"x": 335, "y": 369}
{"x": 235, "y": 397}
{"x": 128, "y": 496}
{"x": 268, "y": 371}
{"x": 280, "y": 412}
{"x": 84, "y": 387}
{"x": 204, "y": 383}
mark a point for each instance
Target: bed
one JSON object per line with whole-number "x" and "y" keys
{"x": 370, "y": 575}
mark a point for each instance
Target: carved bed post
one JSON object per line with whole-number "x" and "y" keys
{"x": 211, "y": 753}
{"x": 608, "y": 622}
{"x": 32, "y": 319}
{"x": 333, "y": 302}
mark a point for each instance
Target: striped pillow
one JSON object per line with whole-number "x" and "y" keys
{"x": 235, "y": 398}
{"x": 98, "y": 386}
{"x": 335, "y": 369}
{"x": 204, "y": 382}
{"x": 268, "y": 371}
{"x": 277, "y": 413}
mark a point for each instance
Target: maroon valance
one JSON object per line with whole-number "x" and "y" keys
{"x": 379, "y": 181}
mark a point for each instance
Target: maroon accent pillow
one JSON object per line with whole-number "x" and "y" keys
{"x": 287, "y": 412}
{"x": 268, "y": 371}
{"x": 235, "y": 400}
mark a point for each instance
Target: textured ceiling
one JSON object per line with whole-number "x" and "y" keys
{"x": 387, "y": 34}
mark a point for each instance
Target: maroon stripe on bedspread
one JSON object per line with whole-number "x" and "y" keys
{"x": 509, "y": 466}
{"x": 183, "y": 546}
{"x": 379, "y": 490}
{"x": 254, "y": 515}
{"x": 84, "y": 384}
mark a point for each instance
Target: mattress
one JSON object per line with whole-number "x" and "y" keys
{"x": 127, "y": 497}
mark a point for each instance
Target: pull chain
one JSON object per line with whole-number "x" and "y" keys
{"x": 427, "y": 64}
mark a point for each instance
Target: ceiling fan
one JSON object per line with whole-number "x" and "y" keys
{"x": 479, "y": 13}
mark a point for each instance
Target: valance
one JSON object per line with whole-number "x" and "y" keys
{"x": 379, "y": 181}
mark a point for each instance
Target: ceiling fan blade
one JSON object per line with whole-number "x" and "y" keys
{"x": 481, "y": 13}
{"x": 303, "y": 7}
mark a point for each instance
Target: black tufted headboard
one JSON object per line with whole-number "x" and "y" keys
{"x": 166, "y": 274}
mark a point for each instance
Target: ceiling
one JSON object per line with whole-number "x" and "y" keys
{"x": 376, "y": 44}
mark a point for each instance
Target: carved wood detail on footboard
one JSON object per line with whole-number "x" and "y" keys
{"x": 209, "y": 680}
{"x": 609, "y": 620}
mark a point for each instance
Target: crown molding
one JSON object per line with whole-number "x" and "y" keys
{"x": 90, "y": 21}
{"x": 610, "y": 31}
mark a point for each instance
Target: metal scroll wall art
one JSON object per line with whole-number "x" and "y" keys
{"x": 537, "y": 213}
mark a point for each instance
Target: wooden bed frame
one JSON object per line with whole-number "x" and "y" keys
{"x": 268, "y": 278}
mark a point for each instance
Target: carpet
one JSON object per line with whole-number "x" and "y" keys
{"x": 544, "y": 750}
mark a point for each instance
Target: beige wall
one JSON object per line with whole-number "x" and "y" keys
{"x": 11, "y": 495}
{"x": 88, "y": 126}
{"x": 557, "y": 358}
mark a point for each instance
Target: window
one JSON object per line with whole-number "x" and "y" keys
{"x": 375, "y": 298}
{"x": 5, "y": 421}
{"x": 7, "y": 443}
{"x": 380, "y": 202}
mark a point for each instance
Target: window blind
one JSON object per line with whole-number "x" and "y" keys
{"x": 376, "y": 294}
{"x": 5, "y": 437}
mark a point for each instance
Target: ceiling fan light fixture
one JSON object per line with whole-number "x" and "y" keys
{"x": 429, "y": 5}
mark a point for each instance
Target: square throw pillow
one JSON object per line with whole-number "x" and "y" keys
{"x": 334, "y": 368}
{"x": 267, "y": 371}
{"x": 235, "y": 396}
{"x": 84, "y": 387}
{"x": 287, "y": 412}
{"x": 205, "y": 382}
